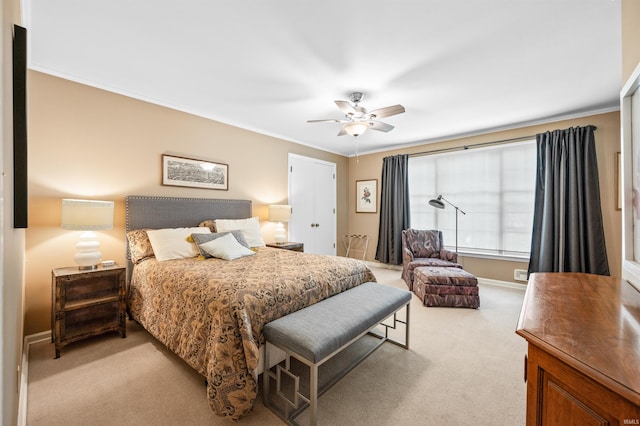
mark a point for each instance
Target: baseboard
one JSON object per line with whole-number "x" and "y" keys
{"x": 383, "y": 265}
{"x": 499, "y": 283}
{"x": 24, "y": 375}
{"x": 487, "y": 281}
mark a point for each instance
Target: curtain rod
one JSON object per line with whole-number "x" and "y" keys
{"x": 476, "y": 145}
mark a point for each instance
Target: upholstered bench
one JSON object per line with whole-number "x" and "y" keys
{"x": 317, "y": 333}
{"x": 452, "y": 287}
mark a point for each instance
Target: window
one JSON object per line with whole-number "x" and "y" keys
{"x": 495, "y": 188}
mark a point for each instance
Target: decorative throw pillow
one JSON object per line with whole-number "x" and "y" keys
{"x": 209, "y": 223}
{"x": 139, "y": 245}
{"x": 226, "y": 247}
{"x": 200, "y": 239}
{"x": 175, "y": 243}
{"x": 250, "y": 229}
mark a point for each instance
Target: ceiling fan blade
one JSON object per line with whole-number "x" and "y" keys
{"x": 387, "y": 111}
{"x": 342, "y": 131}
{"x": 328, "y": 120}
{"x": 380, "y": 126}
{"x": 346, "y": 107}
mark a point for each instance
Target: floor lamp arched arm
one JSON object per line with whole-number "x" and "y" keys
{"x": 452, "y": 205}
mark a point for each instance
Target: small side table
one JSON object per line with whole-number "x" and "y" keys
{"x": 289, "y": 245}
{"x": 87, "y": 303}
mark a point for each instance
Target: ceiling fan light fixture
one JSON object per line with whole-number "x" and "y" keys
{"x": 357, "y": 119}
{"x": 356, "y": 128}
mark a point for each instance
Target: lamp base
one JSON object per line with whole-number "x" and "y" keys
{"x": 88, "y": 268}
{"x": 280, "y": 235}
{"x": 88, "y": 256}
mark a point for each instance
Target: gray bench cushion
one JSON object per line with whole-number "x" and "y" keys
{"x": 317, "y": 331}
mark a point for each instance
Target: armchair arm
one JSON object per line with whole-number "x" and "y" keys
{"x": 449, "y": 255}
{"x": 407, "y": 256}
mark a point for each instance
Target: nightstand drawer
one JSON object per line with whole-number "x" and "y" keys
{"x": 85, "y": 289}
{"x": 90, "y": 319}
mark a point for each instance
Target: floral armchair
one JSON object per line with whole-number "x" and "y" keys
{"x": 424, "y": 248}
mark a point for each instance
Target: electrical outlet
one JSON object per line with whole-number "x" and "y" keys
{"x": 520, "y": 275}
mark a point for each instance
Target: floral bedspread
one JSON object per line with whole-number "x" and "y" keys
{"x": 211, "y": 312}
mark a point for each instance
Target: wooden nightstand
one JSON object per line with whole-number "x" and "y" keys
{"x": 87, "y": 303}
{"x": 288, "y": 246}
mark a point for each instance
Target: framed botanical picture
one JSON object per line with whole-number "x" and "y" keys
{"x": 179, "y": 171}
{"x": 367, "y": 196}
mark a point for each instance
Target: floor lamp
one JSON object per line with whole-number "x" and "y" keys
{"x": 437, "y": 203}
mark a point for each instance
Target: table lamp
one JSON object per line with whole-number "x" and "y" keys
{"x": 88, "y": 216}
{"x": 280, "y": 213}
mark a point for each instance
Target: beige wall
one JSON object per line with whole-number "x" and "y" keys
{"x": 89, "y": 143}
{"x": 630, "y": 37}
{"x": 607, "y": 144}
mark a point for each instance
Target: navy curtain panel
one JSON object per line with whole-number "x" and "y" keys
{"x": 568, "y": 235}
{"x": 394, "y": 209}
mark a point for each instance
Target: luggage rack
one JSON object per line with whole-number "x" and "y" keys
{"x": 357, "y": 243}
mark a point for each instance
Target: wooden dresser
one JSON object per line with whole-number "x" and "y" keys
{"x": 583, "y": 361}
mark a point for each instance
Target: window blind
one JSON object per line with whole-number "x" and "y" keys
{"x": 494, "y": 186}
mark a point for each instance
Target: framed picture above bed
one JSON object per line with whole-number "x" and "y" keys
{"x": 193, "y": 173}
{"x": 366, "y": 196}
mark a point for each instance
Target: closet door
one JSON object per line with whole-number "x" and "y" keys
{"x": 312, "y": 196}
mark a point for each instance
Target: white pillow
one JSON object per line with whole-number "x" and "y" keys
{"x": 250, "y": 228}
{"x": 226, "y": 247}
{"x": 175, "y": 243}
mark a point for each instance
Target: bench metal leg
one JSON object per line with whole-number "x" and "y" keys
{"x": 406, "y": 328}
{"x": 265, "y": 375}
{"x": 313, "y": 394}
{"x": 385, "y": 336}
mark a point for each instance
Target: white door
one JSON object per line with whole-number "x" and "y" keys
{"x": 312, "y": 196}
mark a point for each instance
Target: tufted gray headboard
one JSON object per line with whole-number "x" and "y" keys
{"x": 147, "y": 212}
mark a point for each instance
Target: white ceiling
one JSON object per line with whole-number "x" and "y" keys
{"x": 459, "y": 67}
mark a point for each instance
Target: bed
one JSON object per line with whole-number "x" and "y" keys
{"x": 211, "y": 312}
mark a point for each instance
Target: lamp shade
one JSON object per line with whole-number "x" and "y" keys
{"x": 279, "y": 213}
{"x": 356, "y": 128}
{"x": 437, "y": 202}
{"x": 87, "y": 215}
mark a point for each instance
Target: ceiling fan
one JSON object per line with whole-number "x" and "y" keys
{"x": 358, "y": 119}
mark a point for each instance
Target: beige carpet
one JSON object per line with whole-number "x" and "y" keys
{"x": 465, "y": 367}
